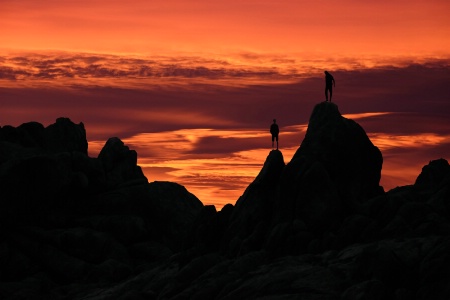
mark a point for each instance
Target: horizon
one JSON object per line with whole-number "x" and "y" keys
{"x": 193, "y": 87}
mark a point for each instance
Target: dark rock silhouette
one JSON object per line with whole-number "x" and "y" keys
{"x": 65, "y": 136}
{"x": 67, "y": 218}
{"x": 119, "y": 162}
{"x": 318, "y": 227}
{"x": 62, "y": 136}
{"x": 335, "y": 169}
{"x": 251, "y": 217}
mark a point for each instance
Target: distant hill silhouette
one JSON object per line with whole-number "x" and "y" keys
{"x": 318, "y": 227}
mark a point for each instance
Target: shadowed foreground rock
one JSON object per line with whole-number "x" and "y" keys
{"x": 318, "y": 227}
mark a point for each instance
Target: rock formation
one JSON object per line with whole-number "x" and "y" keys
{"x": 318, "y": 227}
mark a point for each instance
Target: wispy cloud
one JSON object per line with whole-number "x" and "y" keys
{"x": 71, "y": 69}
{"x": 391, "y": 141}
{"x": 206, "y": 124}
{"x": 365, "y": 115}
{"x": 217, "y": 165}
{"x": 89, "y": 66}
{"x": 223, "y": 161}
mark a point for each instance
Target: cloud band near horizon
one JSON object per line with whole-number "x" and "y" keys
{"x": 202, "y": 122}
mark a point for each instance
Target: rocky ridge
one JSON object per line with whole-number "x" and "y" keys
{"x": 318, "y": 227}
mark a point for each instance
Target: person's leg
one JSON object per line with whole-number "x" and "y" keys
{"x": 277, "y": 142}
{"x": 326, "y": 93}
{"x": 272, "y": 141}
{"x": 331, "y": 93}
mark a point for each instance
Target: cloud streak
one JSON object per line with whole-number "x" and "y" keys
{"x": 72, "y": 69}
{"x": 88, "y": 66}
{"x": 210, "y": 130}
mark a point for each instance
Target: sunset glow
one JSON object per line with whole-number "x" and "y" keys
{"x": 351, "y": 27}
{"x": 193, "y": 86}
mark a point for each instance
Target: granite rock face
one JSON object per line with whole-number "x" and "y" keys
{"x": 69, "y": 219}
{"x": 252, "y": 215}
{"x": 62, "y": 136}
{"x": 119, "y": 162}
{"x": 318, "y": 227}
{"x": 341, "y": 145}
{"x": 335, "y": 169}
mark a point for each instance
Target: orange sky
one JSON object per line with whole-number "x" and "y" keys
{"x": 345, "y": 27}
{"x": 173, "y": 79}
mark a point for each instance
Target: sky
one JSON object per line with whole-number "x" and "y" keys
{"x": 193, "y": 86}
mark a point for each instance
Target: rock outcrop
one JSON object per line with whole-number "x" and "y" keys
{"x": 119, "y": 162}
{"x": 69, "y": 219}
{"x": 62, "y": 136}
{"x": 318, "y": 227}
{"x": 335, "y": 169}
{"x": 252, "y": 215}
{"x": 332, "y": 175}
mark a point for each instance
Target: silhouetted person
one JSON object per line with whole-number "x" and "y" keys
{"x": 329, "y": 83}
{"x": 274, "y": 130}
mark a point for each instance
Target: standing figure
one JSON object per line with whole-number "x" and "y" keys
{"x": 329, "y": 83}
{"x": 274, "y": 130}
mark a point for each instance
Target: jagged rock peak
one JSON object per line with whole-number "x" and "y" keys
{"x": 322, "y": 114}
{"x": 62, "y": 136}
{"x": 272, "y": 168}
{"x": 267, "y": 178}
{"x": 433, "y": 174}
{"x": 120, "y": 162}
{"x": 341, "y": 145}
{"x": 254, "y": 208}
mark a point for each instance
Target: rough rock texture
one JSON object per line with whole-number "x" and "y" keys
{"x": 69, "y": 222}
{"x": 336, "y": 168}
{"x": 320, "y": 227}
{"x": 251, "y": 217}
{"x": 62, "y": 136}
{"x": 119, "y": 162}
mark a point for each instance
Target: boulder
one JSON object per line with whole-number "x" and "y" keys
{"x": 433, "y": 175}
{"x": 65, "y": 136}
{"x": 252, "y": 214}
{"x": 120, "y": 163}
{"x": 335, "y": 169}
{"x": 320, "y": 227}
{"x": 174, "y": 211}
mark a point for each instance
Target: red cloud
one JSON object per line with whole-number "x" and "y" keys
{"x": 195, "y": 131}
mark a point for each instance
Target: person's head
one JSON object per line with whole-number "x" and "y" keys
{"x": 274, "y": 120}
{"x": 326, "y": 73}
